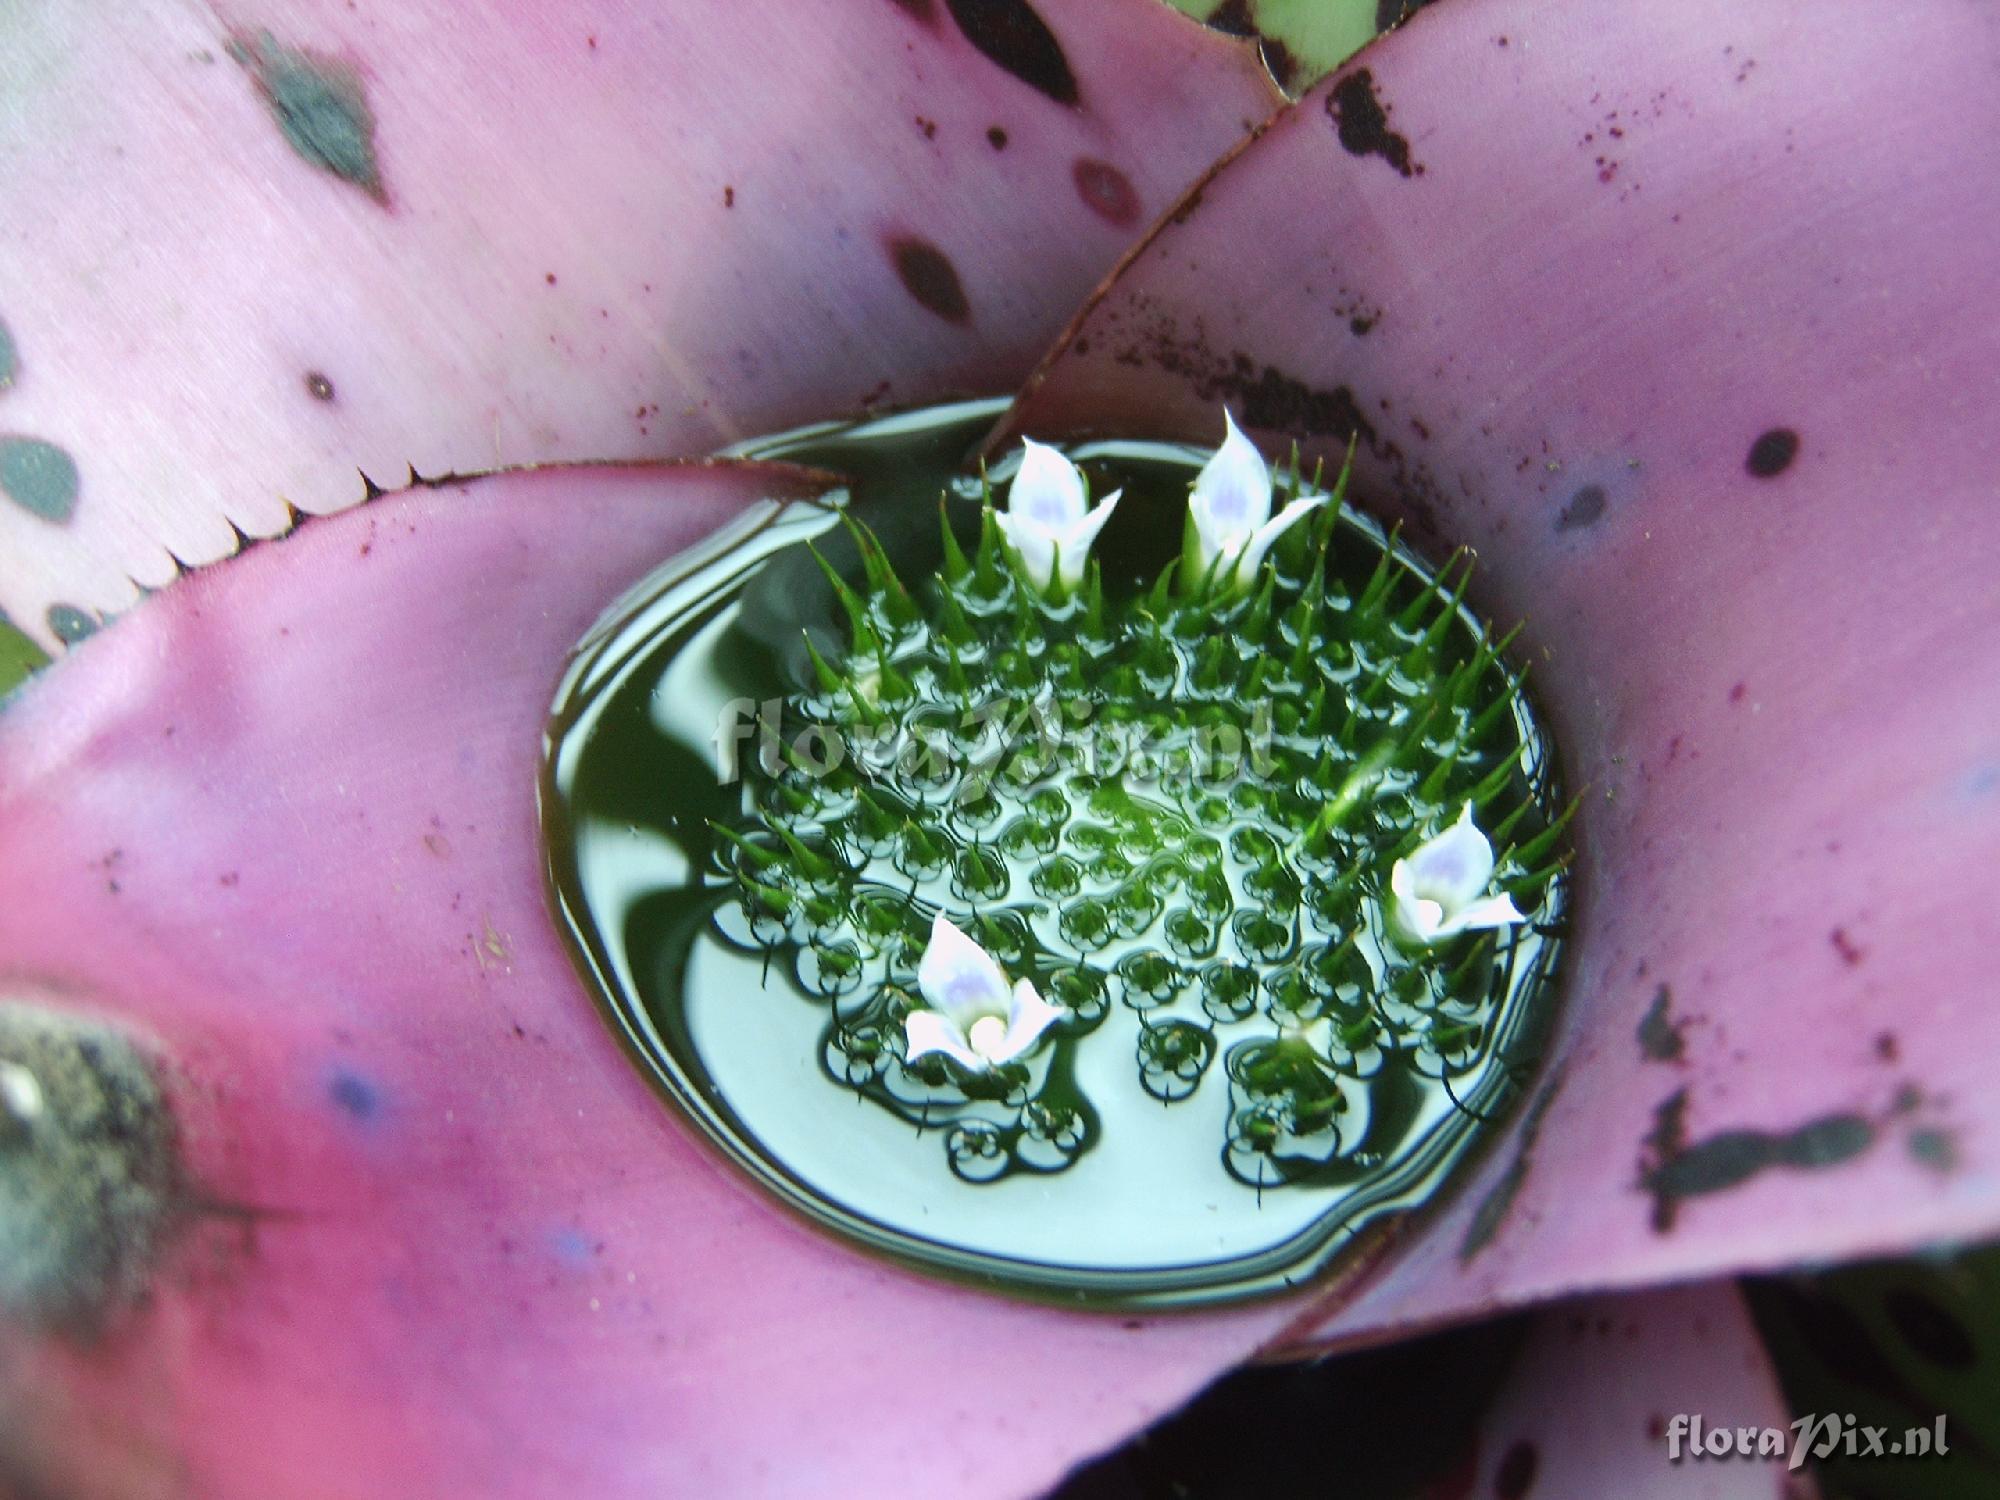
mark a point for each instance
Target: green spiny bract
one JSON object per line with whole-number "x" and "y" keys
{"x": 1187, "y": 804}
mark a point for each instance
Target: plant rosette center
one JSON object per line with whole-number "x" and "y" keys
{"x": 1075, "y": 856}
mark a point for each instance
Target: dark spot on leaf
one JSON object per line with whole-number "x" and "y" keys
{"x": 1516, "y": 1474}
{"x": 1887, "y": 1048}
{"x": 929, "y": 276}
{"x": 1826, "y": 1142}
{"x": 1232, "y": 18}
{"x": 1265, "y": 396}
{"x": 1360, "y": 326}
{"x": 1715, "y": 1164}
{"x": 1492, "y": 1210}
{"x": 1845, "y": 947}
{"x": 1772, "y": 453}
{"x": 1584, "y": 508}
{"x": 10, "y": 359}
{"x": 1279, "y": 61}
{"x": 319, "y": 105}
{"x": 1262, "y": 395}
{"x": 1736, "y": 693}
{"x": 1933, "y": 1331}
{"x": 318, "y": 386}
{"x": 996, "y": 138}
{"x": 1673, "y": 1170}
{"x": 1660, "y": 1038}
{"x": 69, "y": 624}
{"x": 1363, "y": 123}
{"x": 922, "y": 10}
{"x": 1934, "y": 1149}
{"x": 728, "y": 196}
{"x": 39, "y": 477}
{"x": 354, "y": 1095}
{"x": 1106, "y": 191}
{"x": 1011, "y": 34}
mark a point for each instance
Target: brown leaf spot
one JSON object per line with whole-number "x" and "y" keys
{"x": 1106, "y": 191}
{"x": 929, "y": 276}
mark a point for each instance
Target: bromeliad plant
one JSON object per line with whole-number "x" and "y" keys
{"x": 1696, "y": 359}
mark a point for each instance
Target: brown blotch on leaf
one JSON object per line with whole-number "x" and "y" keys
{"x": 1582, "y": 509}
{"x": 1233, "y": 18}
{"x": 1673, "y": 1169}
{"x": 1659, "y": 1034}
{"x": 929, "y": 276}
{"x": 1772, "y": 453}
{"x": 1362, "y": 121}
{"x": 1279, "y": 62}
{"x": 318, "y": 386}
{"x": 1263, "y": 395}
{"x": 1106, "y": 191}
{"x": 1011, "y": 35}
{"x": 996, "y": 138}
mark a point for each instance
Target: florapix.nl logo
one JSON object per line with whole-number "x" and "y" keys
{"x": 1813, "y": 1436}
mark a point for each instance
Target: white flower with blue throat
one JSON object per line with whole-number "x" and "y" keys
{"x": 1230, "y": 526}
{"x": 1049, "y": 522}
{"x": 974, "y": 1017}
{"x": 1439, "y": 891}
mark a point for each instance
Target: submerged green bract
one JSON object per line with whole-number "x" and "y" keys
{"x": 1172, "y": 811}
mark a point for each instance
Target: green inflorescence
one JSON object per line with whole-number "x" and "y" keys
{"x": 1165, "y": 801}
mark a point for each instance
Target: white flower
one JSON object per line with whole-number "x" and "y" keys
{"x": 1230, "y": 511}
{"x": 20, "y": 1093}
{"x": 1047, "y": 521}
{"x": 1437, "y": 892}
{"x": 974, "y": 1019}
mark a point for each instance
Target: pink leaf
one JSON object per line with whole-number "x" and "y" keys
{"x": 254, "y": 249}
{"x": 1591, "y": 1407}
{"x": 438, "y": 1236}
{"x": 1686, "y": 322}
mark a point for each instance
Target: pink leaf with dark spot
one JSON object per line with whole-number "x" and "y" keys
{"x": 251, "y": 254}
{"x": 1701, "y": 366}
{"x": 440, "y": 1237}
{"x": 1589, "y": 1409}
